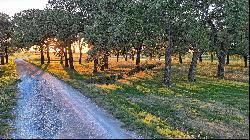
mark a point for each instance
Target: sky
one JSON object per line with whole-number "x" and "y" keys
{"x": 11, "y": 7}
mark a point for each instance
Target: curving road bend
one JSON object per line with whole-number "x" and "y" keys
{"x": 49, "y": 108}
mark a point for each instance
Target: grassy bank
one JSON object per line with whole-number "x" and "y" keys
{"x": 8, "y": 88}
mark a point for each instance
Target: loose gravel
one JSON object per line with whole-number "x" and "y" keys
{"x": 50, "y": 108}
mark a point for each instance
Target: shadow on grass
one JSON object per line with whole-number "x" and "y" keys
{"x": 122, "y": 108}
{"x": 208, "y": 91}
{"x": 74, "y": 74}
{"x": 151, "y": 101}
{"x": 120, "y": 102}
{"x": 205, "y": 89}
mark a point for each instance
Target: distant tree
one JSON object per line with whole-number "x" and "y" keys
{"x": 35, "y": 27}
{"x": 5, "y": 36}
{"x": 30, "y": 29}
{"x": 167, "y": 15}
{"x": 64, "y": 26}
{"x": 197, "y": 33}
{"x": 237, "y": 27}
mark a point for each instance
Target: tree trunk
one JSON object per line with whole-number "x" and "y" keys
{"x": 245, "y": 61}
{"x": 71, "y": 61}
{"x": 117, "y": 57}
{"x": 6, "y": 55}
{"x": 48, "y": 53}
{"x": 66, "y": 57}
{"x": 133, "y": 56}
{"x": 95, "y": 65}
{"x": 42, "y": 55}
{"x": 212, "y": 57}
{"x": 138, "y": 55}
{"x": 150, "y": 56}
{"x": 126, "y": 56}
{"x": 200, "y": 58}
{"x": 2, "y": 59}
{"x": 180, "y": 58}
{"x": 102, "y": 66}
{"x": 106, "y": 60}
{"x": 221, "y": 65}
{"x": 227, "y": 59}
{"x": 168, "y": 52}
{"x": 193, "y": 66}
{"x": 61, "y": 55}
{"x": 80, "y": 49}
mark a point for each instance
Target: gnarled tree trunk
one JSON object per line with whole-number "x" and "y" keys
{"x": 221, "y": 65}
{"x": 180, "y": 58}
{"x": 245, "y": 61}
{"x": 227, "y": 59}
{"x": 212, "y": 57}
{"x": 71, "y": 61}
{"x": 48, "y": 57}
{"x": 95, "y": 65}
{"x": 66, "y": 57}
{"x": 168, "y": 53}
{"x": 138, "y": 55}
{"x": 193, "y": 64}
{"x": 42, "y": 55}
{"x": 117, "y": 57}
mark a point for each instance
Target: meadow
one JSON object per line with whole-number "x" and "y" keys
{"x": 207, "y": 108}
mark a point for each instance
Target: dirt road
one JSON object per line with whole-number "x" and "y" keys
{"x": 49, "y": 108}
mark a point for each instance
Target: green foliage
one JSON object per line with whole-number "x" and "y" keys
{"x": 237, "y": 30}
{"x": 5, "y": 27}
{"x": 123, "y": 25}
{"x": 24, "y": 21}
{"x": 5, "y": 31}
{"x": 45, "y": 24}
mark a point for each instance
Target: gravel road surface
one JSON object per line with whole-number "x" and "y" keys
{"x": 50, "y": 108}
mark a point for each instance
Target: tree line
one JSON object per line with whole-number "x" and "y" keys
{"x": 131, "y": 27}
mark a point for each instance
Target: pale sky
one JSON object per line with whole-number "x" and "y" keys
{"x": 11, "y": 7}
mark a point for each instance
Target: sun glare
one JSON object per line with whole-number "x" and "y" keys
{"x": 75, "y": 47}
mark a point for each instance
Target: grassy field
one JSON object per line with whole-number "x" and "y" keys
{"x": 208, "y": 108}
{"x": 8, "y": 88}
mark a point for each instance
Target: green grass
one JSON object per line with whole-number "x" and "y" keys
{"x": 208, "y": 108}
{"x": 8, "y": 81}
